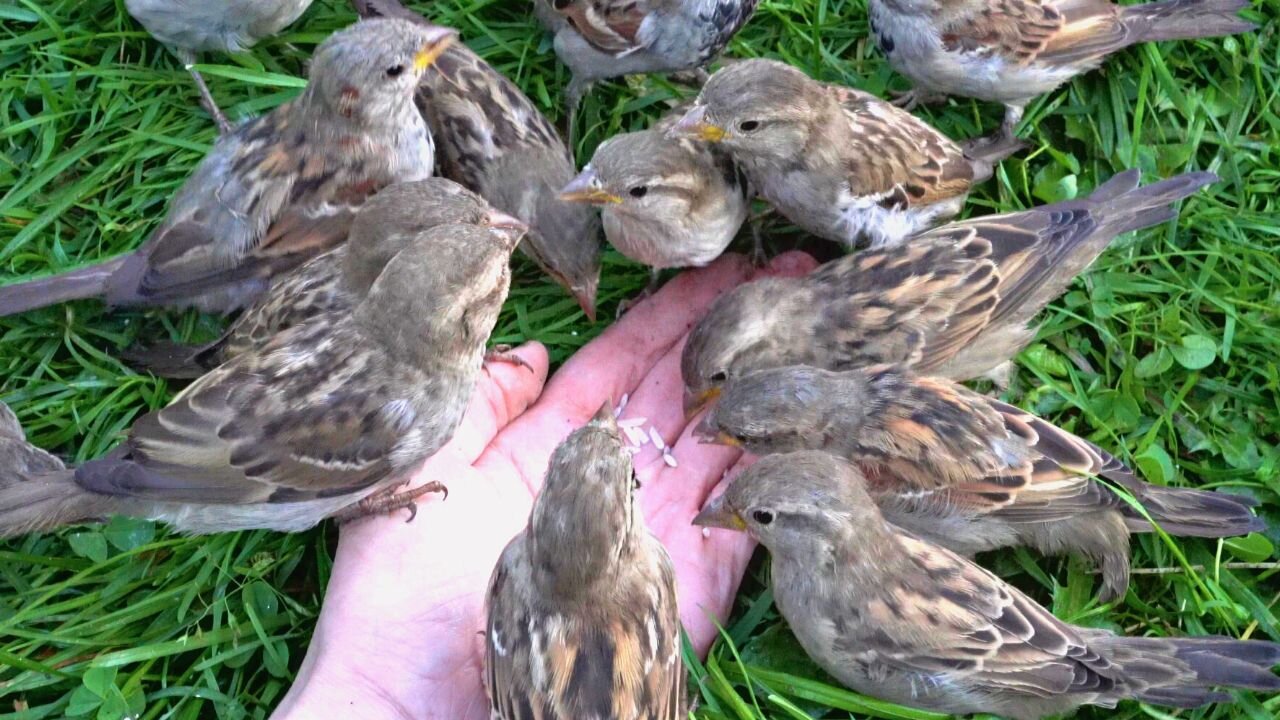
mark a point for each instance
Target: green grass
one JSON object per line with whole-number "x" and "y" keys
{"x": 1167, "y": 352}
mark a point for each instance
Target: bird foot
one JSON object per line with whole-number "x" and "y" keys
{"x": 208, "y": 103}
{"x": 388, "y": 501}
{"x": 625, "y": 306}
{"x": 914, "y": 98}
{"x": 504, "y": 354}
{"x": 696, "y": 77}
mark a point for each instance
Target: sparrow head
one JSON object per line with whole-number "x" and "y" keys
{"x": 757, "y": 109}
{"x": 368, "y": 72}
{"x": 439, "y": 298}
{"x": 569, "y": 250}
{"x": 580, "y": 532}
{"x": 792, "y": 503}
{"x": 743, "y": 330}
{"x": 397, "y": 215}
{"x": 780, "y": 410}
{"x": 643, "y": 175}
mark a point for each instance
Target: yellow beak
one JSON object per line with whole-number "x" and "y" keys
{"x": 694, "y": 124}
{"x": 693, "y": 404}
{"x": 433, "y": 48}
{"x": 715, "y": 514}
{"x": 586, "y": 188}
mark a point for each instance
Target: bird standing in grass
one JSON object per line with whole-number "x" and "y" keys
{"x": 582, "y": 616}
{"x": 964, "y": 470}
{"x": 955, "y": 302}
{"x": 188, "y": 27}
{"x": 899, "y": 618}
{"x": 281, "y": 188}
{"x": 325, "y": 420}
{"x": 839, "y": 163}
{"x": 1010, "y": 51}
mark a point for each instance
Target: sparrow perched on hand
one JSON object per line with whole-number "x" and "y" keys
{"x": 667, "y": 204}
{"x": 1010, "y": 51}
{"x": 837, "y": 162}
{"x": 899, "y": 618}
{"x": 281, "y": 188}
{"x": 582, "y": 605}
{"x": 600, "y": 39}
{"x": 188, "y": 27}
{"x": 337, "y": 280}
{"x": 964, "y": 470}
{"x": 19, "y": 459}
{"x": 956, "y": 302}
{"x": 326, "y": 419}
{"x": 492, "y": 139}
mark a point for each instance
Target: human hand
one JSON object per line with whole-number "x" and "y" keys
{"x": 399, "y": 634}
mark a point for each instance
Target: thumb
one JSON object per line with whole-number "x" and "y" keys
{"x": 511, "y": 381}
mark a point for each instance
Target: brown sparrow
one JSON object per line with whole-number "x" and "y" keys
{"x": 838, "y": 162}
{"x": 281, "y": 188}
{"x": 335, "y": 281}
{"x": 1010, "y": 51}
{"x": 492, "y": 139}
{"x": 664, "y": 203}
{"x": 326, "y": 419}
{"x": 956, "y": 302}
{"x": 899, "y": 618}
{"x": 582, "y": 605}
{"x": 188, "y": 27}
{"x": 965, "y": 470}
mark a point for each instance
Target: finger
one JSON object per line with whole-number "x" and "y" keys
{"x": 654, "y": 416}
{"x": 505, "y": 390}
{"x": 675, "y": 494}
{"x": 792, "y": 263}
{"x": 611, "y": 365}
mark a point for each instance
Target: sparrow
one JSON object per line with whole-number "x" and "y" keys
{"x": 188, "y": 27}
{"x": 964, "y": 470}
{"x": 1010, "y": 51}
{"x": 281, "y": 188}
{"x": 582, "y": 617}
{"x": 665, "y": 204}
{"x": 956, "y": 302}
{"x": 838, "y": 162}
{"x": 493, "y": 140}
{"x": 601, "y": 39}
{"x": 326, "y": 419}
{"x": 896, "y": 617}
{"x": 337, "y": 280}
{"x": 19, "y": 459}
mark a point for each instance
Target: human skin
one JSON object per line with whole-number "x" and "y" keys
{"x": 400, "y": 634}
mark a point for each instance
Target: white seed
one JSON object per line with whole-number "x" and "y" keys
{"x": 656, "y": 437}
{"x": 706, "y": 532}
{"x": 631, "y": 422}
{"x": 669, "y": 459}
{"x": 636, "y": 436}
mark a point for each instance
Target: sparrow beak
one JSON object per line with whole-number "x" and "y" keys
{"x": 510, "y": 228}
{"x": 708, "y": 434}
{"x": 438, "y": 40}
{"x": 716, "y": 515}
{"x": 694, "y": 124}
{"x": 694, "y": 402}
{"x": 586, "y": 188}
{"x": 604, "y": 417}
{"x": 586, "y": 296}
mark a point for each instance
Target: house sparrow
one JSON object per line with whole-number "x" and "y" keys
{"x": 965, "y": 470}
{"x": 582, "y": 618}
{"x": 839, "y": 163}
{"x": 664, "y": 204}
{"x": 19, "y": 459}
{"x": 188, "y": 27}
{"x": 336, "y": 280}
{"x": 956, "y": 302}
{"x": 326, "y": 419}
{"x": 280, "y": 189}
{"x": 601, "y": 39}
{"x": 492, "y": 139}
{"x": 899, "y": 618}
{"x": 1011, "y": 51}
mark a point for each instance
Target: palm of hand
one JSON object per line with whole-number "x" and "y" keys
{"x": 400, "y": 631}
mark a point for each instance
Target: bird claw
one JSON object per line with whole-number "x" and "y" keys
{"x": 504, "y": 354}
{"x": 388, "y": 501}
{"x": 914, "y": 98}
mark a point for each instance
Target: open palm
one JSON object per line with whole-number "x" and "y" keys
{"x": 400, "y": 631}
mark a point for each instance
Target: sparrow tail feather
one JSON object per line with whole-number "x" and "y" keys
{"x": 1195, "y": 513}
{"x": 1200, "y": 664}
{"x": 46, "y": 502}
{"x": 1185, "y": 19}
{"x": 78, "y": 284}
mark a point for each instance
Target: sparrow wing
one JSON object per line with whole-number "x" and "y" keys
{"x": 1016, "y": 31}
{"x": 611, "y": 26}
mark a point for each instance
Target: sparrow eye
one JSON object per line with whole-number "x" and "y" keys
{"x": 395, "y": 71}
{"x": 747, "y": 126}
{"x": 764, "y": 517}
{"x": 635, "y": 480}
{"x": 639, "y": 191}
{"x": 719, "y": 376}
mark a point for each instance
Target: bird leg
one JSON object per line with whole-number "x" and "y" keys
{"x": 388, "y": 501}
{"x": 915, "y": 97}
{"x": 504, "y": 354}
{"x": 572, "y": 101}
{"x": 210, "y": 106}
{"x": 1009, "y": 127}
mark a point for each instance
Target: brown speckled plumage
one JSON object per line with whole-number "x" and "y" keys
{"x": 582, "y": 616}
